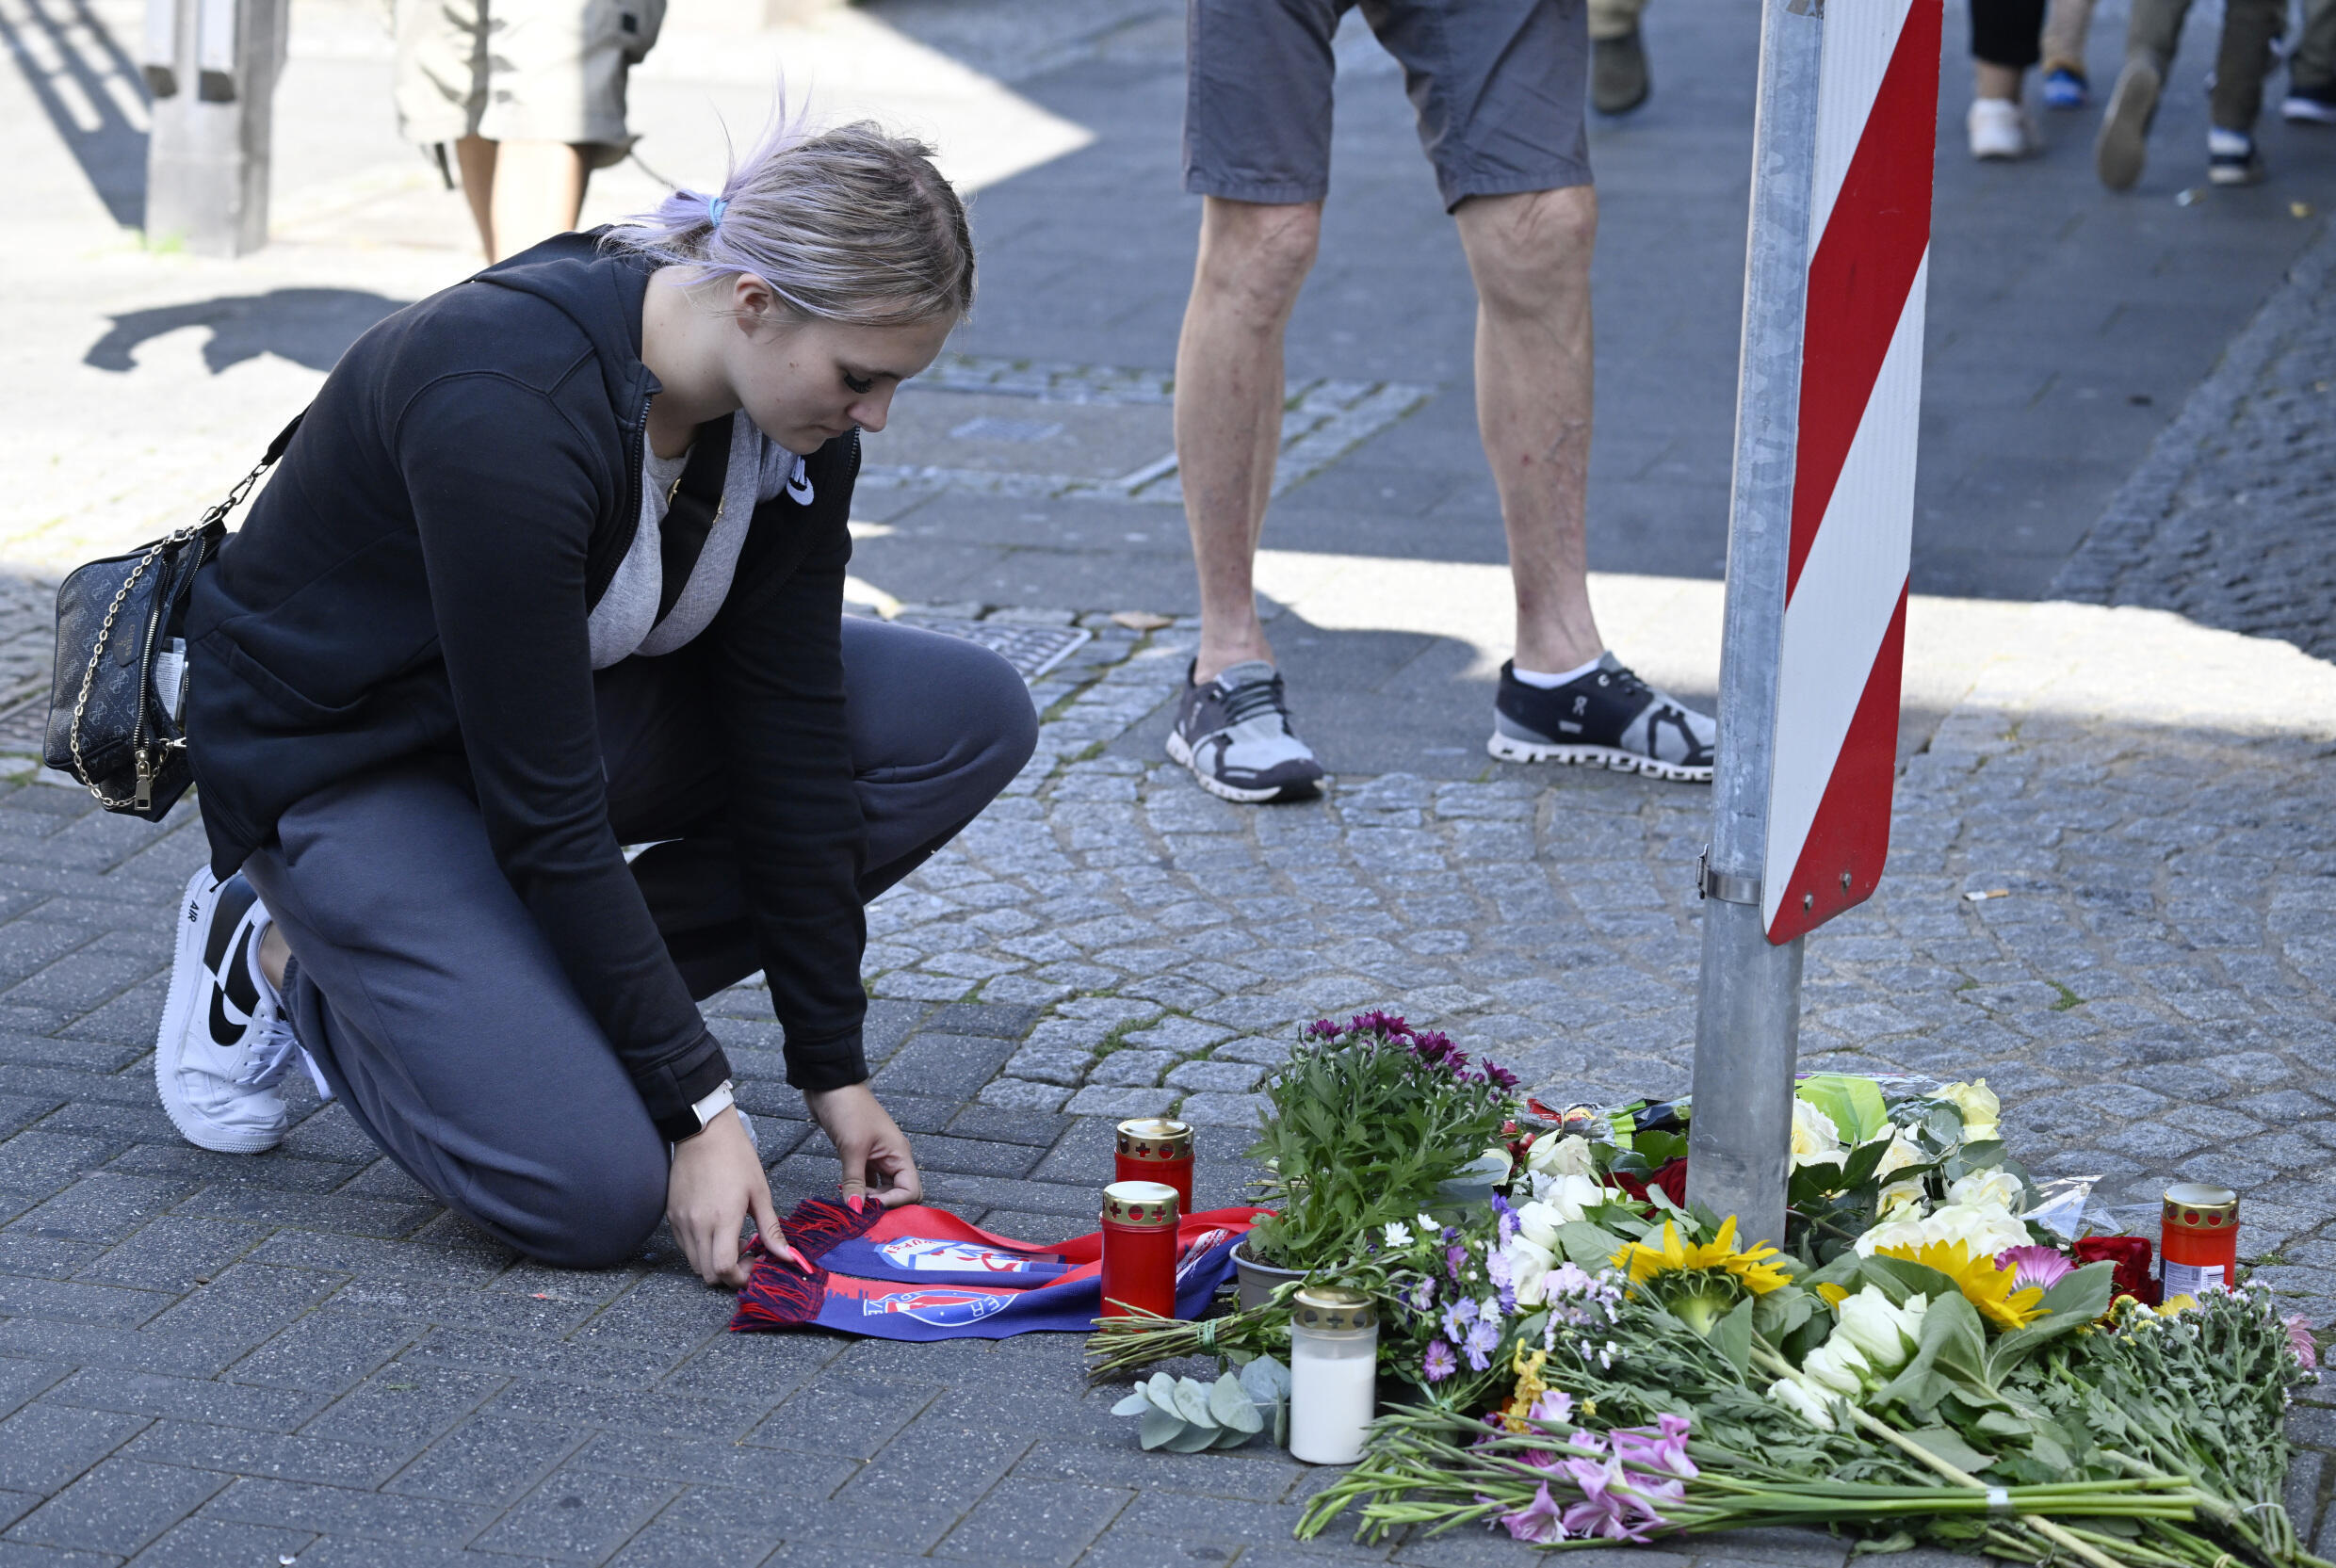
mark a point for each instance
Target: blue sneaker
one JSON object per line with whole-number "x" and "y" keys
{"x": 2065, "y": 88}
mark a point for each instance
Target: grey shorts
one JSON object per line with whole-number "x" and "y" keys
{"x": 522, "y": 69}
{"x": 1499, "y": 87}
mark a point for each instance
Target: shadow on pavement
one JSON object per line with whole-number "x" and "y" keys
{"x": 308, "y": 326}
{"x": 81, "y": 93}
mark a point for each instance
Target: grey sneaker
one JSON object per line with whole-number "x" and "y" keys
{"x": 1618, "y": 79}
{"x": 1608, "y": 717}
{"x": 2123, "y": 144}
{"x": 1234, "y": 733}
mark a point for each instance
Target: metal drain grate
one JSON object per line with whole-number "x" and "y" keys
{"x": 1034, "y": 648}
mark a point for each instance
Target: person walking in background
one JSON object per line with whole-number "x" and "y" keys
{"x": 1499, "y": 86}
{"x": 2066, "y": 85}
{"x": 2250, "y": 31}
{"x": 1619, "y": 78}
{"x": 530, "y": 94}
{"x": 2006, "y": 39}
{"x": 2311, "y": 68}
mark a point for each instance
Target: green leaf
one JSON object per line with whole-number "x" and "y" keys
{"x": 1233, "y": 1437}
{"x": 1159, "y": 1427}
{"x": 1192, "y": 1439}
{"x": 1192, "y": 1402}
{"x": 1134, "y": 1404}
{"x": 1587, "y": 1246}
{"x": 1776, "y": 1315}
{"x": 2071, "y": 1301}
{"x": 1854, "y": 1103}
{"x": 1231, "y": 1405}
{"x": 1942, "y": 1442}
{"x": 1732, "y": 1335}
{"x": 1266, "y": 1380}
{"x": 1899, "y": 1278}
{"x": 1161, "y": 1389}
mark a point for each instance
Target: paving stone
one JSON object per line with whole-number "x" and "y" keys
{"x": 1096, "y": 1100}
{"x": 117, "y": 1506}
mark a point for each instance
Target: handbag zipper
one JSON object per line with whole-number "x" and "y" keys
{"x": 145, "y": 796}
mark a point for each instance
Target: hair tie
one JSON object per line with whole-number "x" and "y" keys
{"x": 715, "y": 206}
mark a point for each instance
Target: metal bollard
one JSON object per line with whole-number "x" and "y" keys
{"x": 212, "y": 67}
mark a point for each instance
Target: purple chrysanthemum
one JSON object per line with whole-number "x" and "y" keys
{"x": 1441, "y": 1362}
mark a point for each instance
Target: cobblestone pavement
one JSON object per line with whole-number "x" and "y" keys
{"x": 2226, "y": 521}
{"x": 211, "y": 1358}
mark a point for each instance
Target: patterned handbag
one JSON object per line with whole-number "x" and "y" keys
{"x": 118, "y": 704}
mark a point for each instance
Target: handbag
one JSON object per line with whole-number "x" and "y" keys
{"x": 117, "y": 699}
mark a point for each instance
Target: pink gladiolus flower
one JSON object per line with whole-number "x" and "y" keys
{"x": 1538, "y": 1520}
{"x": 1606, "y": 1509}
{"x": 2301, "y": 1341}
{"x": 1661, "y": 1452}
{"x": 1553, "y": 1405}
{"x": 2042, "y": 1267}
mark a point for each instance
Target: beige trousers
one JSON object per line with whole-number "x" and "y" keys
{"x": 1614, "y": 18}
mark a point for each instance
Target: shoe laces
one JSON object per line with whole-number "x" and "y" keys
{"x": 1622, "y": 675}
{"x": 268, "y": 1049}
{"x": 1254, "y": 700}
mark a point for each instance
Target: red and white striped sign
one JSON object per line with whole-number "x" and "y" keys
{"x": 1852, "y": 494}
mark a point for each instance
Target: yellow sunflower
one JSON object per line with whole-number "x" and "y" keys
{"x": 1753, "y": 1268}
{"x": 1983, "y": 1284}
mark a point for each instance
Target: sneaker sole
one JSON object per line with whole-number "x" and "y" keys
{"x": 2122, "y": 148}
{"x": 1509, "y": 749}
{"x": 1181, "y": 753}
{"x": 186, "y": 986}
{"x": 2228, "y": 177}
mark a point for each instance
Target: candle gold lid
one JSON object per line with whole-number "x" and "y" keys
{"x": 1329, "y": 1307}
{"x": 1154, "y": 1138}
{"x": 2196, "y": 1205}
{"x": 1150, "y": 1204}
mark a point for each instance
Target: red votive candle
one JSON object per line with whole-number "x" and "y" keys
{"x": 1140, "y": 1249}
{"x": 2199, "y": 1248}
{"x": 1154, "y": 1149}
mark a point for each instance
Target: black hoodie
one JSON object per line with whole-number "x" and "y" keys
{"x": 414, "y": 580}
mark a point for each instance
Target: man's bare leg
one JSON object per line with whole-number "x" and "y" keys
{"x": 1530, "y": 255}
{"x": 1253, "y": 261}
{"x": 539, "y": 192}
{"x": 1232, "y": 727}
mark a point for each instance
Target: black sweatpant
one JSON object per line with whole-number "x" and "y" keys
{"x": 441, "y": 1016}
{"x": 2007, "y": 32}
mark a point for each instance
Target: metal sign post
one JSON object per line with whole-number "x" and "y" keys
{"x": 211, "y": 66}
{"x": 1820, "y": 528}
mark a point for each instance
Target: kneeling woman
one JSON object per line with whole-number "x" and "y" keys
{"x": 555, "y": 564}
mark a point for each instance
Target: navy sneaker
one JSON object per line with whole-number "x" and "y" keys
{"x": 2310, "y": 106}
{"x": 2232, "y": 158}
{"x": 225, "y": 1044}
{"x": 1609, "y": 718}
{"x": 2065, "y": 88}
{"x": 1234, "y": 733}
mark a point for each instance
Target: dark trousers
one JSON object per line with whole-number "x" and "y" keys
{"x": 441, "y": 1016}
{"x": 2242, "y": 59}
{"x": 2007, "y": 32}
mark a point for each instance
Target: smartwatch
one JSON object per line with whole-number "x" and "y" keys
{"x": 702, "y": 1114}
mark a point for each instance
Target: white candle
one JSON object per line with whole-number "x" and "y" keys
{"x": 1334, "y": 1374}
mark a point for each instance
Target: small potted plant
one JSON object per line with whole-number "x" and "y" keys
{"x": 1369, "y": 1121}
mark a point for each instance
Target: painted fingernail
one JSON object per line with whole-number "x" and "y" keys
{"x": 799, "y": 1260}
{"x": 854, "y": 1202}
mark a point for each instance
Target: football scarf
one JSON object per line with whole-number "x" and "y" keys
{"x": 918, "y": 1273}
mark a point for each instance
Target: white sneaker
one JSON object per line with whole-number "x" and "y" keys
{"x": 225, "y": 1044}
{"x": 1998, "y": 129}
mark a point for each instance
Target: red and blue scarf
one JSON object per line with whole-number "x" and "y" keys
{"x": 918, "y": 1273}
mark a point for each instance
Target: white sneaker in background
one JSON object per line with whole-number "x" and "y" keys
{"x": 1998, "y": 129}
{"x": 225, "y": 1044}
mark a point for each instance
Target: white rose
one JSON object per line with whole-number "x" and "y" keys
{"x": 1815, "y": 1138}
{"x": 1796, "y": 1398}
{"x": 1881, "y": 1332}
{"x": 1986, "y": 1230}
{"x": 1561, "y": 1156}
{"x": 1981, "y": 1110}
{"x": 1903, "y": 1152}
{"x": 1997, "y": 1188}
{"x": 1895, "y": 1233}
{"x": 1528, "y": 1270}
{"x": 1837, "y": 1366}
{"x": 1569, "y": 1195}
{"x": 1537, "y": 1223}
{"x": 1904, "y": 1200}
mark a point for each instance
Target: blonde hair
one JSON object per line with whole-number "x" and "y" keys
{"x": 849, "y": 225}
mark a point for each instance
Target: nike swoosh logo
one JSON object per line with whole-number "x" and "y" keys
{"x": 799, "y": 485}
{"x": 224, "y": 1030}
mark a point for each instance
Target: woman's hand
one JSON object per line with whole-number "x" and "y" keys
{"x": 716, "y": 1182}
{"x": 875, "y": 1153}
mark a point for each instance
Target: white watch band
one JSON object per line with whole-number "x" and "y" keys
{"x": 714, "y": 1103}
